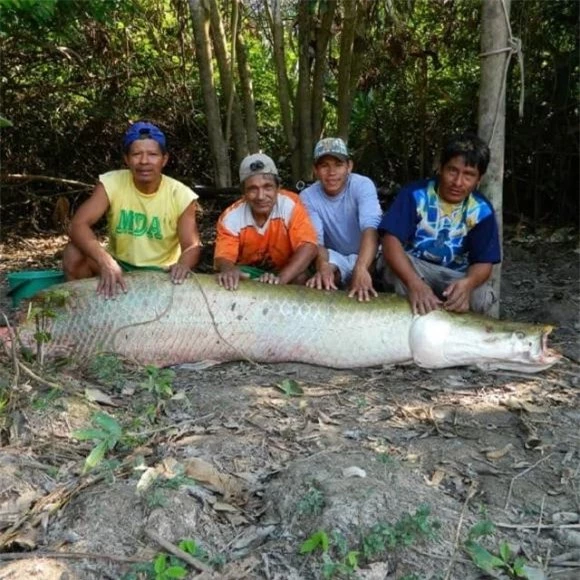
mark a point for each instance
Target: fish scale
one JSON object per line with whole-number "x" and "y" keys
{"x": 157, "y": 322}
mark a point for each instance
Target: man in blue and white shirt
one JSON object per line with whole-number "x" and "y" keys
{"x": 345, "y": 211}
{"x": 441, "y": 236}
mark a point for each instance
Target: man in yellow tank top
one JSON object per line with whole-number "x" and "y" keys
{"x": 150, "y": 219}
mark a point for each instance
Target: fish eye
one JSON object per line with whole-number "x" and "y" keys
{"x": 520, "y": 335}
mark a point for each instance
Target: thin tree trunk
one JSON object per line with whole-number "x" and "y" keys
{"x": 303, "y": 104}
{"x": 247, "y": 92}
{"x": 285, "y": 97}
{"x": 234, "y": 116}
{"x": 345, "y": 68}
{"x": 218, "y": 147}
{"x": 320, "y": 67}
{"x": 494, "y": 36}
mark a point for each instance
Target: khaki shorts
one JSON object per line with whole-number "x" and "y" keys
{"x": 438, "y": 278}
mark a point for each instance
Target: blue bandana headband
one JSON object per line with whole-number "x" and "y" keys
{"x": 142, "y": 130}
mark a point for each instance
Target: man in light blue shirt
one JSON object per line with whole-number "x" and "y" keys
{"x": 345, "y": 210}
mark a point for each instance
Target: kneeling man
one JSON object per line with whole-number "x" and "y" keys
{"x": 441, "y": 236}
{"x": 266, "y": 235}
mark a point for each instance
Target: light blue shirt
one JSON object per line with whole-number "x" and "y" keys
{"x": 339, "y": 220}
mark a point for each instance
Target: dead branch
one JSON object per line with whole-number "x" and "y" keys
{"x": 69, "y": 556}
{"x": 536, "y": 526}
{"x": 521, "y": 474}
{"x": 11, "y": 351}
{"x": 22, "y": 177}
{"x": 34, "y": 376}
{"x": 470, "y": 494}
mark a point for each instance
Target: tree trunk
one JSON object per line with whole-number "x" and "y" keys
{"x": 320, "y": 67}
{"x": 303, "y": 103}
{"x": 218, "y": 146}
{"x": 247, "y": 92}
{"x": 494, "y": 36}
{"x": 345, "y": 68}
{"x": 234, "y": 117}
{"x": 285, "y": 97}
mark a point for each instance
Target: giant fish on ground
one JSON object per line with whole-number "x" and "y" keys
{"x": 159, "y": 323}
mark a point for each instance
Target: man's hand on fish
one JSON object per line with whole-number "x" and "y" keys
{"x": 111, "y": 275}
{"x": 230, "y": 278}
{"x": 178, "y": 273}
{"x": 269, "y": 278}
{"x": 457, "y": 296}
{"x": 361, "y": 285}
{"x": 422, "y": 299}
{"x": 323, "y": 279}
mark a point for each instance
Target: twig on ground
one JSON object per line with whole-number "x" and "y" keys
{"x": 438, "y": 556}
{"x": 69, "y": 556}
{"x": 541, "y": 526}
{"x": 521, "y": 474}
{"x": 12, "y": 352}
{"x": 470, "y": 494}
{"x": 547, "y": 560}
{"x": 34, "y": 376}
{"x": 167, "y": 427}
{"x": 541, "y": 515}
{"x": 197, "y": 564}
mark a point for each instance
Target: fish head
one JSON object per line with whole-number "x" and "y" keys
{"x": 441, "y": 339}
{"x": 524, "y": 349}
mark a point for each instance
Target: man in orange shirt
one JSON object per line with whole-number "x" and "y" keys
{"x": 267, "y": 234}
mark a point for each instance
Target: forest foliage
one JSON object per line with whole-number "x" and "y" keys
{"x": 394, "y": 77}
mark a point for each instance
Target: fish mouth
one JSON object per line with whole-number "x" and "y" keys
{"x": 540, "y": 358}
{"x": 546, "y": 355}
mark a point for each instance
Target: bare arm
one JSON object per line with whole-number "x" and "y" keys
{"x": 83, "y": 237}
{"x": 298, "y": 263}
{"x": 361, "y": 284}
{"x": 420, "y": 295}
{"x": 190, "y": 244}
{"x": 458, "y": 293}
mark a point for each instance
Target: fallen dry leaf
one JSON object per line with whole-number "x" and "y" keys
{"x": 436, "y": 478}
{"x": 229, "y": 486}
{"x": 498, "y": 453}
{"x": 97, "y": 396}
{"x": 353, "y": 471}
{"x": 221, "y": 506}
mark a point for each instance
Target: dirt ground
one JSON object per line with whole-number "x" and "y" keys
{"x": 391, "y": 467}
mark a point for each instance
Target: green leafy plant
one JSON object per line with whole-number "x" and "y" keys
{"x": 491, "y": 563}
{"x": 43, "y": 309}
{"x": 43, "y": 400}
{"x": 108, "y": 369}
{"x": 165, "y": 569}
{"x": 345, "y": 562}
{"x": 312, "y": 502}
{"x": 158, "y": 381}
{"x": 317, "y": 540}
{"x": 406, "y": 531}
{"x": 107, "y": 434}
{"x": 290, "y": 388}
{"x": 341, "y": 560}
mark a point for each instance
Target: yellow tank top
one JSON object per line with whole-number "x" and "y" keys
{"x": 143, "y": 227}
